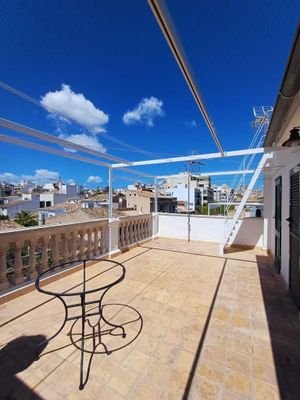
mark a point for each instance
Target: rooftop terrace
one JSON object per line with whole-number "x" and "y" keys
{"x": 213, "y": 328}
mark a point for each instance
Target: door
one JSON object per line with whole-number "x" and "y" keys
{"x": 294, "y": 221}
{"x": 278, "y": 198}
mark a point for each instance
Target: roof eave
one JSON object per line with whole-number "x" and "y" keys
{"x": 290, "y": 86}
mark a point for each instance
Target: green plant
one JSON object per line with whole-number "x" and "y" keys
{"x": 26, "y": 219}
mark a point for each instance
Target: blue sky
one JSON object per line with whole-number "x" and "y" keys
{"x": 119, "y": 73}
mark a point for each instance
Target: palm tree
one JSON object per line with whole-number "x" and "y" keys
{"x": 25, "y": 218}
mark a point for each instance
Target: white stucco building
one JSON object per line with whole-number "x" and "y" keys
{"x": 282, "y": 181}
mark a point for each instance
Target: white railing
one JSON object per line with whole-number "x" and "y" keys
{"x": 246, "y": 164}
{"x": 26, "y": 252}
{"x": 247, "y": 161}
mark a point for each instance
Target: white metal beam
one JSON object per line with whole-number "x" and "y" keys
{"x": 238, "y": 172}
{"x": 161, "y": 15}
{"x": 54, "y": 139}
{"x": 133, "y": 171}
{"x": 40, "y": 147}
{"x": 194, "y": 157}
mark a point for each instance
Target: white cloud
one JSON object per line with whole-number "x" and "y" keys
{"x": 75, "y": 106}
{"x": 145, "y": 112}
{"x": 94, "y": 179}
{"x": 191, "y": 124}
{"x": 83, "y": 139}
{"x": 40, "y": 177}
{"x": 44, "y": 175}
{"x": 8, "y": 177}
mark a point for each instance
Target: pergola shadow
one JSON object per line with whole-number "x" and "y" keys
{"x": 15, "y": 357}
{"x": 284, "y": 329}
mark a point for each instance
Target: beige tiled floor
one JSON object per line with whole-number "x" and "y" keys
{"x": 213, "y": 328}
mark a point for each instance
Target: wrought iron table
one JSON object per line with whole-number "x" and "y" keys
{"x": 97, "y": 331}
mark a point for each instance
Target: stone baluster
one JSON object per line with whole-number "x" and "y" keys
{"x": 102, "y": 240}
{"x": 82, "y": 245}
{"x": 73, "y": 246}
{"x": 44, "y": 254}
{"x": 146, "y": 228}
{"x": 127, "y": 234}
{"x": 138, "y": 230}
{"x": 65, "y": 248}
{"x": 130, "y": 232}
{"x": 4, "y": 284}
{"x": 133, "y": 232}
{"x": 89, "y": 244}
{"x": 122, "y": 227}
{"x": 124, "y": 234}
{"x": 120, "y": 238}
{"x": 149, "y": 227}
{"x": 96, "y": 251}
{"x": 55, "y": 250}
{"x": 32, "y": 271}
{"x": 18, "y": 264}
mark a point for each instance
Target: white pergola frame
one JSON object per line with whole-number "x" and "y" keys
{"x": 119, "y": 166}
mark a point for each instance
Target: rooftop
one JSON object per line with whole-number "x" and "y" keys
{"x": 213, "y": 328}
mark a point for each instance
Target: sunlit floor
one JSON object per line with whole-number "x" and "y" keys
{"x": 198, "y": 326}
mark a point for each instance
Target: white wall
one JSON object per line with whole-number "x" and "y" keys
{"x": 55, "y": 198}
{"x": 286, "y": 160}
{"x": 26, "y": 205}
{"x": 211, "y": 229}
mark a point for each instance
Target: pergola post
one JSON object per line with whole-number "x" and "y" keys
{"x": 110, "y": 193}
{"x": 155, "y": 196}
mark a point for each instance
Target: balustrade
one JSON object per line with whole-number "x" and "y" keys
{"x": 25, "y": 252}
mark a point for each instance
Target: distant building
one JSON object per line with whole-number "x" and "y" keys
{"x": 24, "y": 187}
{"x": 6, "y": 189}
{"x": 143, "y": 201}
{"x": 221, "y": 193}
{"x": 62, "y": 188}
{"x": 201, "y": 191}
{"x": 13, "y": 207}
{"x": 181, "y": 193}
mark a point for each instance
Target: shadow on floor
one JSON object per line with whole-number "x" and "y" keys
{"x": 284, "y": 329}
{"x": 189, "y": 382}
{"x": 16, "y": 357}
